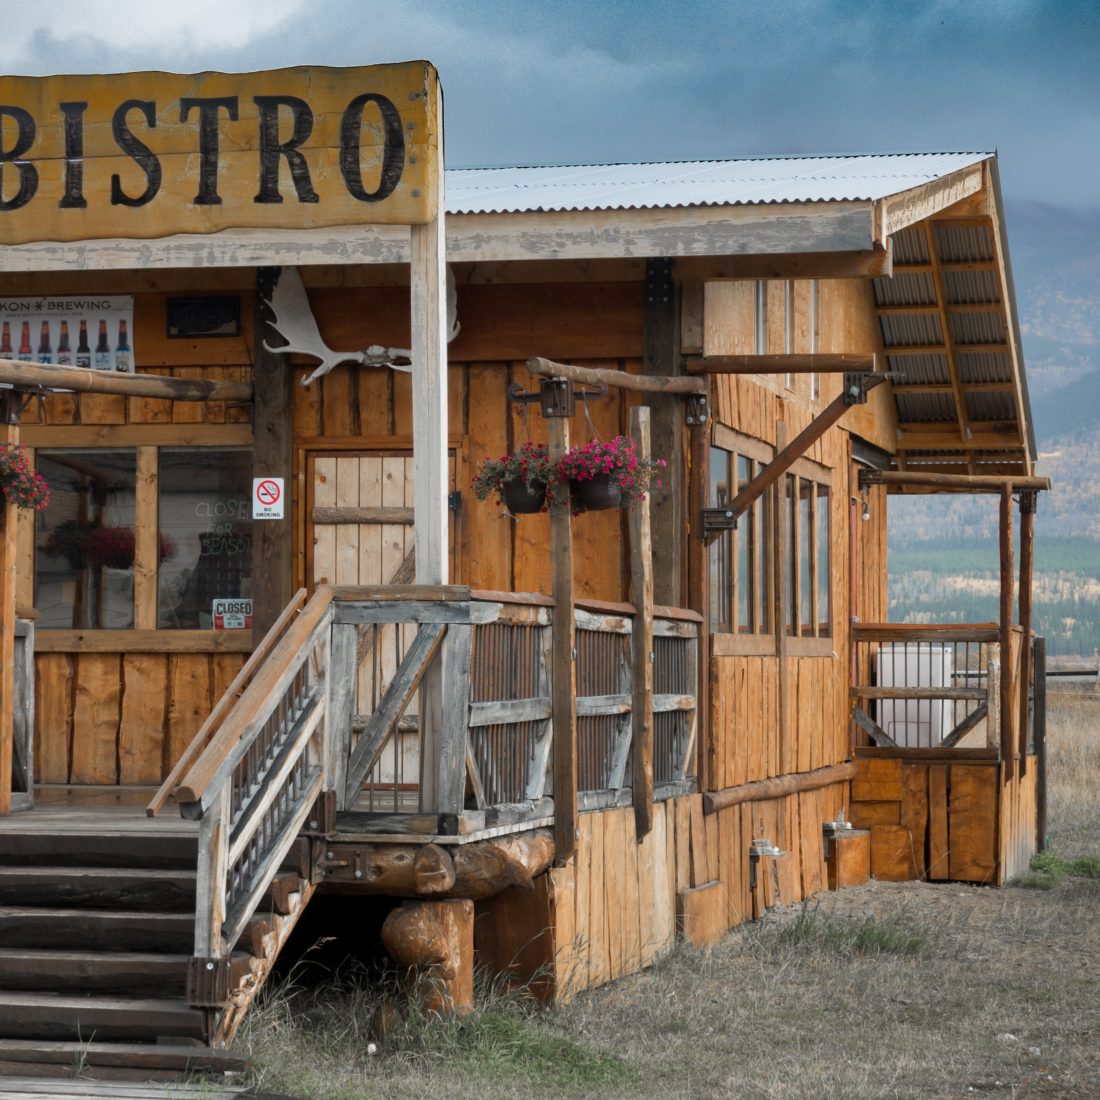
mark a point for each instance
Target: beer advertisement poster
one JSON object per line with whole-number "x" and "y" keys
{"x": 92, "y": 331}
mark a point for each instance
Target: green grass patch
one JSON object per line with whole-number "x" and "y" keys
{"x": 1048, "y": 868}
{"x": 814, "y": 930}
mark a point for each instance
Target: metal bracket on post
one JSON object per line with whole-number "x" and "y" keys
{"x": 696, "y": 410}
{"x": 557, "y": 397}
{"x": 716, "y": 521}
{"x": 208, "y": 982}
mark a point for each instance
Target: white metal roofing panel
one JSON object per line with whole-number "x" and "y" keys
{"x": 750, "y": 180}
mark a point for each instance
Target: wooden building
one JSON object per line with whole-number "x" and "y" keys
{"x": 588, "y": 735}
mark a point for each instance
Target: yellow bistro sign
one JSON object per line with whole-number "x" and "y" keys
{"x": 151, "y": 154}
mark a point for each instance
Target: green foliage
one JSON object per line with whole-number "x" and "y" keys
{"x": 1054, "y": 866}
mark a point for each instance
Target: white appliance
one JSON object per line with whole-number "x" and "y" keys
{"x": 915, "y": 723}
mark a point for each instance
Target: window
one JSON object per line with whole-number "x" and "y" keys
{"x": 84, "y": 540}
{"x": 142, "y": 536}
{"x": 806, "y": 539}
{"x": 743, "y": 564}
{"x": 741, "y": 592}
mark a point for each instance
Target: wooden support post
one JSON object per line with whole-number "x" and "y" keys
{"x": 435, "y": 940}
{"x": 698, "y": 594}
{"x": 9, "y": 433}
{"x": 339, "y": 707}
{"x": 563, "y": 664}
{"x": 663, "y": 360}
{"x": 272, "y": 456}
{"x": 1008, "y": 743}
{"x": 641, "y": 584}
{"x": 454, "y": 656}
{"x": 779, "y": 603}
{"x": 1027, "y": 553}
{"x": 428, "y": 304}
{"x": 1041, "y": 743}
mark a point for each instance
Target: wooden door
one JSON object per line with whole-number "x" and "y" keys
{"x": 359, "y": 518}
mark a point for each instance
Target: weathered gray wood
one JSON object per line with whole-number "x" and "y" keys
{"x": 343, "y": 664}
{"x": 515, "y": 813}
{"x": 965, "y": 726}
{"x": 396, "y": 698}
{"x": 664, "y": 702}
{"x": 359, "y": 516}
{"x": 210, "y": 899}
{"x": 674, "y": 628}
{"x": 603, "y": 800}
{"x": 368, "y": 614}
{"x": 451, "y": 759}
{"x": 872, "y": 728}
{"x": 473, "y": 775}
{"x": 867, "y": 692}
{"x": 601, "y": 624}
{"x": 506, "y": 711}
{"x": 237, "y": 919}
{"x": 591, "y": 706}
{"x": 641, "y": 640}
{"x": 539, "y": 769}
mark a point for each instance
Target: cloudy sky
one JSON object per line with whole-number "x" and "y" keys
{"x": 559, "y": 81}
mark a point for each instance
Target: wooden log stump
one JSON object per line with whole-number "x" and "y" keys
{"x": 487, "y": 867}
{"x": 435, "y": 941}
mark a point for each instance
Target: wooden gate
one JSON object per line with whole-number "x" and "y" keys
{"x": 359, "y": 531}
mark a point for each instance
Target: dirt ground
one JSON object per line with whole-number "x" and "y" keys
{"x": 908, "y": 990}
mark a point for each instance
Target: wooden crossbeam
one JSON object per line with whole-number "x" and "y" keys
{"x": 960, "y": 483}
{"x": 817, "y": 363}
{"x": 638, "y": 383}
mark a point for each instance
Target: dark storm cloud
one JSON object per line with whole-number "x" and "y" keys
{"x": 529, "y": 82}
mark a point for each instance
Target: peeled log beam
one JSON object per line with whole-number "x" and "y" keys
{"x": 400, "y": 870}
{"x": 959, "y": 483}
{"x": 435, "y": 940}
{"x": 640, "y": 383}
{"x": 777, "y": 788}
{"x": 81, "y": 380}
{"x": 487, "y": 867}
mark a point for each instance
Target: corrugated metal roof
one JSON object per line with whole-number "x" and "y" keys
{"x": 749, "y": 180}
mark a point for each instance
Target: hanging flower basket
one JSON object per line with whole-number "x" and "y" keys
{"x": 521, "y": 481}
{"x": 608, "y": 474}
{"x": 521, "y": 499}
{"x": 22, "y": 486}
{"x": 594, "y": 494}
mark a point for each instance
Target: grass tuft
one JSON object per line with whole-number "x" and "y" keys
{"x": 814, "y": 930}
{"x": 1048, "y": 868}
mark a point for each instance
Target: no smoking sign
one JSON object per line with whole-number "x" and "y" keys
{"x": 267, "y": 498}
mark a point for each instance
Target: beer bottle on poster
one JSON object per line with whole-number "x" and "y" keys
{"x": 122, "y": 349}
{"x": 25, "y": 353}
{"x": 45, "y": 349}
{"x": 5, "y": 342}
{"x": 83, "y": 352}
{"x": 64, "y": 352}
{"x": 102, "y": 349}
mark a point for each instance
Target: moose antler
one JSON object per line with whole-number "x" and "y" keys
{"x": 295, "y": 323}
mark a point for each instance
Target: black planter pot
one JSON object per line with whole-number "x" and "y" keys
{"x": 519, "y": 500}
{"x": 596, "y": 493}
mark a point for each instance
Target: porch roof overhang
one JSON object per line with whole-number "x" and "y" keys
{"x": 837, "y": 212}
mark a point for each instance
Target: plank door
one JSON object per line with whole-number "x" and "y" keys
{"x": 359, "y": 531}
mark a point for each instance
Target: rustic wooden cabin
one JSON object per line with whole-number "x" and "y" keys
{"x": 266, "y": 643}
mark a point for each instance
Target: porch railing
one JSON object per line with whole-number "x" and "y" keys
{"x": 935, "y": 687}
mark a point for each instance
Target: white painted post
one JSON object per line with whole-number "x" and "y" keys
{"x": 428, "y": 301}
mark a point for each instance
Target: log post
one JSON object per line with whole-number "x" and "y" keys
{"x": 641, "y": 642}
{"x": 563, "y": 673}
{"x": 435, "y": 941}
{"x": 1008, "y": 744}
{"x": 1027, "y": 555}
{"x": 9, "y": 524}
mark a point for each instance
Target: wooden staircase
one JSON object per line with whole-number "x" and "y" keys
{"x": 96, "y": 934}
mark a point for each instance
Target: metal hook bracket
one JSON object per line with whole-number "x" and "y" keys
{"x": 557, "y": 397}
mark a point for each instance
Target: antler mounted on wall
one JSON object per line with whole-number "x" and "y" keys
{"x": 295, "y": 323}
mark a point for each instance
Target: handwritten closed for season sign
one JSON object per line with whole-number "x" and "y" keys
{"x": 150, "y": 154}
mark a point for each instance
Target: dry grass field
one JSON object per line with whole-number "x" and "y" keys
{"x": 888, "y": 990}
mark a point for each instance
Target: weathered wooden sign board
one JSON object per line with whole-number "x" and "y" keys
{"x": 152, "y": 154}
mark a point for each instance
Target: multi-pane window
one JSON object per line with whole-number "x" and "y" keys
{"x": 806, "y": 538}
{"x": 142, "y": 536}
{"x": 783, "y": 538}
{"x": 741, "y": 560}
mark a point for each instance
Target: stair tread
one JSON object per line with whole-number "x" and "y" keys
{"x": 139, "y": 874}
{"x": 81, "y": 954}
{"x": 69, "y": 912}
{"x": 32, "y": 998}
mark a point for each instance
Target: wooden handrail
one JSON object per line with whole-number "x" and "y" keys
{"x": 215, "y": 718}
{"x": 260, "y": 689}
{"x": 925, "y": 632}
